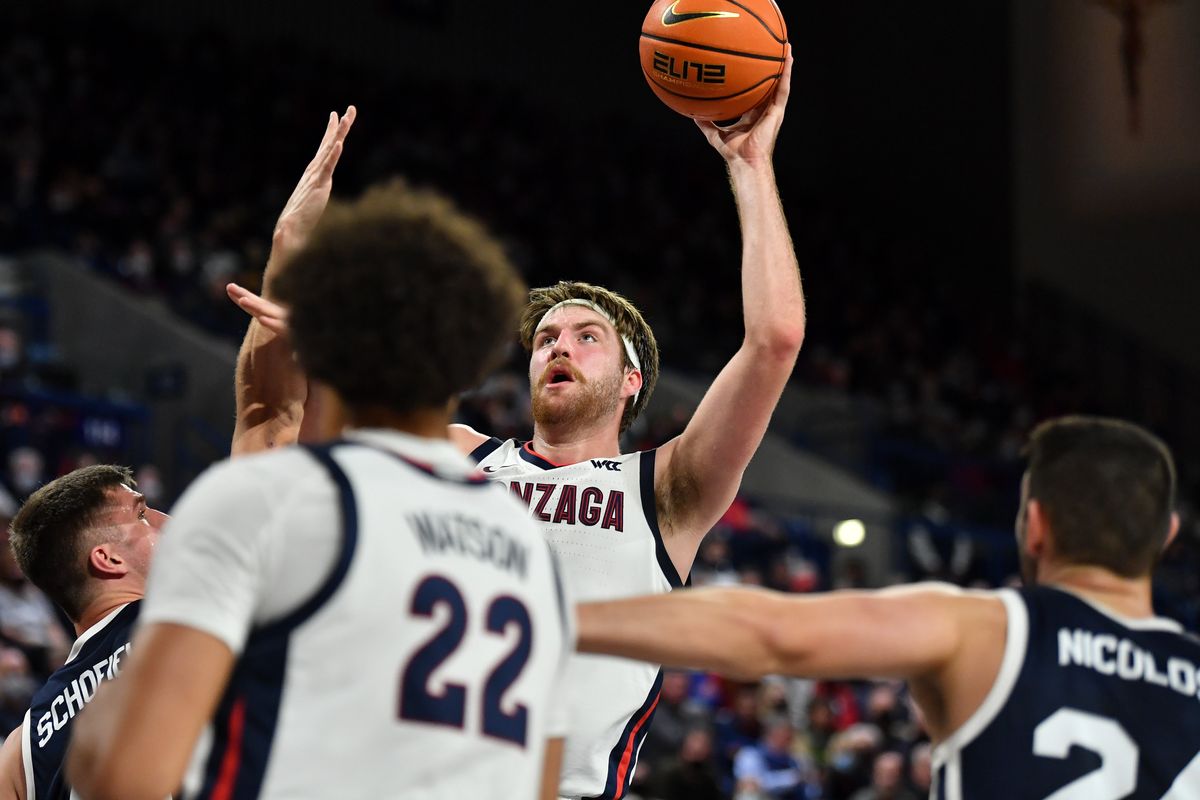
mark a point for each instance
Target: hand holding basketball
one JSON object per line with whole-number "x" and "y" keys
{"x": 753, "y": 137}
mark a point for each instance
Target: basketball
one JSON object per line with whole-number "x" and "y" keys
{"x": 713, "y": 59}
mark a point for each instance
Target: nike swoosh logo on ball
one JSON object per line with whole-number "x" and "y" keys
{"x": 669, "y": 16}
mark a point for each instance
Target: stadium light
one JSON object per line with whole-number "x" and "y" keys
{"x": 849, "y": 532}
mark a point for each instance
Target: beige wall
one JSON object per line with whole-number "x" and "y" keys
{"x": 1111, "y": 218}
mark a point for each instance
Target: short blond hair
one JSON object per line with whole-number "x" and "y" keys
{"x": 628, "y": 320}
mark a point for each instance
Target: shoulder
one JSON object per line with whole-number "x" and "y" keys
{"x": 465, "y": 438}
{"x": 263, "y": 475}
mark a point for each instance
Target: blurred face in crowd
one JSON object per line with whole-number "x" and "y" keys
{"x": 696, "y": 747}
{"x": 675, "y": 686}
{"x": 577, "y": 369}
{"x": 779, "y": 736}
{"x": 25, "y": 466}
{"x": 889, "y": 768}
{"x": 820, "y": 716}
{"x": 745, "y": 704}
{"x": 921, "y": 770}
{"x": 10, "y": 348}
{"x": 9, "y": 569}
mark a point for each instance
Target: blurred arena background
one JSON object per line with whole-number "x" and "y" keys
{"x": 986, "y": 237}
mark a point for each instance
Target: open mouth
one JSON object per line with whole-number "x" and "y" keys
{"x": 560, "y": 375}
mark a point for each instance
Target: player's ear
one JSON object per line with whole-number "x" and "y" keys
{"x": 1173, "y": 530}
{"x": 105, "y": 561}
{"x": 1037, "y": 529}
{"x": 633, "y": 382}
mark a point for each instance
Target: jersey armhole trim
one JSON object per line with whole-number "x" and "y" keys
{"x": 349, "y": 519}
{"x": 1016, "y": 640}
{"x": 484, "y": 450}
{"x": 27, "y": 758}
{"x": 650, "y": 509}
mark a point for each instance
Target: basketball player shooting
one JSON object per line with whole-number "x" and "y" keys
{"x": 630, "y": 524}
{"x": 1068, "y": 689}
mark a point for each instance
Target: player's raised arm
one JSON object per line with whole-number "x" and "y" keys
{"x": 271, "y": 389}
{"x": 698, "y": 473}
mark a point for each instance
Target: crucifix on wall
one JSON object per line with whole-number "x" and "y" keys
{"x": 1132, "y": 14}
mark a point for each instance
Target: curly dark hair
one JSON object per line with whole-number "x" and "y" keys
{"x": 400, "y": 301}
{"x": 50, "y": 535}
{"x": 1108, "y": 490}
{"x": 629, "y": 323}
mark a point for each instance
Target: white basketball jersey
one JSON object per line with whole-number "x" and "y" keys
{"x": 600, "y": 518}
{"x": 423, "y": 666}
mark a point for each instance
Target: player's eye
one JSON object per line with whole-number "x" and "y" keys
{"x": 142, "y": 514}
{"x": 588, "y": 337}
{"x": 546, "y": 340}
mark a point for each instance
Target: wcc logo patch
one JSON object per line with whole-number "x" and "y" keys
{"x": 611, "y": 466}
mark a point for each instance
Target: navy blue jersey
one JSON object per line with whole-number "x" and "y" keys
{"x": 96, "y": 657}
{"x": 1086, "y": 706}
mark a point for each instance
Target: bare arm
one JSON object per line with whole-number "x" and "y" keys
{"x": 731, "y": 419}
{"x": 134, "y": 739}
{"x": 271, "y": 389}
{"x": 902, "y": 633}
{"x": 551, "y": 766}
{"x": 12, "y": 767}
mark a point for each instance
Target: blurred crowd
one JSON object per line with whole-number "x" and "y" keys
{"x": 163, "y": 162}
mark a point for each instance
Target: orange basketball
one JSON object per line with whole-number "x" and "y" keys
{"x": 713, "y": 59}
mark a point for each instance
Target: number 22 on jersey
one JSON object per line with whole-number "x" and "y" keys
{"x": 449, "y": 707}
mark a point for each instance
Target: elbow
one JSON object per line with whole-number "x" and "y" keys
{"x": 767, "y": 650}
{"x": 780, "y": 342}
{"x": 782, "y": 652}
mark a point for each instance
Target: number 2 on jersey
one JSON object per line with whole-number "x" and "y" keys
{"x": 418, "y": 704}
{"x": 1117, "y": 775}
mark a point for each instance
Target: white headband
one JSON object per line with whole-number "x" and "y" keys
{"x": 630, "y": 353}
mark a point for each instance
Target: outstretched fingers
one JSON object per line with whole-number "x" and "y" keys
{"x": 330, "y": 152}
{"x": 271, "y": 316}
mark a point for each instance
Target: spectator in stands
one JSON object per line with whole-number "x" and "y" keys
{"x": 737, "y": 727}
{"x": 691, "y": 774}
{"x": 851, "y": 755}
{"x": 17, "y": 686}
{"x": 768, "y": 769}
{"x": 675, "y": 715}
{"x": 819, "y": 729}
{"x": 12, "y": 356}
{"x": 26, "y": 471}
{"x": 920, "y": 769}
{"x": 28, "y": 621}
{"x": 887, "y": 779}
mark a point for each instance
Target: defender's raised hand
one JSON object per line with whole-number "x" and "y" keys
{"x": 271, "y": 390}
{"x": 306, "y": 205}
